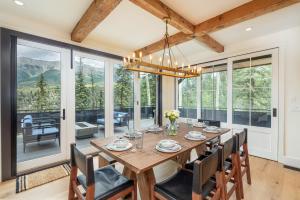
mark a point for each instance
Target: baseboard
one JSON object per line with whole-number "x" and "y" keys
{"x": 291, "y": 162}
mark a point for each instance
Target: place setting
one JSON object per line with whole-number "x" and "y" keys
{"x": 168, "y": 146}
{"x": 212, "y": 129}
{"x": 120, "y": 144}
{"x": 195, "y": 136}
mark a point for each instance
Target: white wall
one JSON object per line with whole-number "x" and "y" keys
{"x": 288, "y": 42}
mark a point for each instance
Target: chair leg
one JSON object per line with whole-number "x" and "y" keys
{"x": 239, "y": 174}
{"x": 236, "y": 178}
{"x": 247, "y": 162}
{"x": 73, "y": 176}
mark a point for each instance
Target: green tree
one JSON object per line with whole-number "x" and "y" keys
{"x": 123, "y": 94}
{"x": 42, "y": 94}
{"x": 81, "y": 91}
{"x": 148, "y": 90}
{"x": 93, "y": 91}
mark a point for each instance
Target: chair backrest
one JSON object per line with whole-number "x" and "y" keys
{"x": 83, "y": 163}
{"x": 242, "y": 137}
{"x": 210, "y": 122}
{"x": 206, "y": 168}
{"x": 229, "y": 147}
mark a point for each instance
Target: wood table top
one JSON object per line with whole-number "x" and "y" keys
{"x": 140, "y": 160}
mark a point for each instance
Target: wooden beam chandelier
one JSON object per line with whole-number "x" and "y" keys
{"x": 167, "y": 65}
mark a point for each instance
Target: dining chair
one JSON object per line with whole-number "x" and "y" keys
{"x": 102, "y": 184}
{"x": 214, "y": 142}
{"x": 243, "y": 158}
{"x": 194, "y": 185}
{"x": 230, "y": 169}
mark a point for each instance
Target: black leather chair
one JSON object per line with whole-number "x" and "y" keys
{"x": 194, "y": 185}
{"x": 214, "y": 142}
{"x": 104, "y": 183}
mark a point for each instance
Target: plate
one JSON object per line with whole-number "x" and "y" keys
{"x": 199, "y": 125}
{"x": 188, "y": 137}
{"x": 155, "y": 129}
{"x": 112, "y": 147}
{"x": 211, "y": 130}
{"x": 178, "y": 148}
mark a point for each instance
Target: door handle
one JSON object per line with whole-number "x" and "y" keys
{"x": 63, "y": 114}
{"x": 274, "y": 112}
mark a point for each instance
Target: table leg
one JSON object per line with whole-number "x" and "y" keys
{"x": 201, "y": 149}
{"x": 183, "y": 158}
{"x": 146, "y": 181}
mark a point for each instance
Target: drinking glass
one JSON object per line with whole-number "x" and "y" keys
{"x": 189, "y": 121}
{"x": 139, "y": 140}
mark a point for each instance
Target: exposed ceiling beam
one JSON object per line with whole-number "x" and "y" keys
{"x": 237, "y": 15}
{"x": 211, "y": 43}
{"x": 160, "y": 10}
{"x": 173, "y": 40}
{"x": 240, "y": 14}
{"x": 96, "y": 13}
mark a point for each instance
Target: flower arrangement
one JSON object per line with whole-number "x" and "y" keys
{"x": 172, "y": 115}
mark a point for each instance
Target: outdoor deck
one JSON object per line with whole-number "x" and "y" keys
{"x": 50, "y": 147}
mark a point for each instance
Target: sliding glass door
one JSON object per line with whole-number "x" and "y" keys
{"x": 123, "y": 100}
{"x": 41, "y": 102}
{"x": 89, "y": 98}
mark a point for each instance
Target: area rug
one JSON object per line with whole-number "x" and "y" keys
{"x": 28, "y": 181}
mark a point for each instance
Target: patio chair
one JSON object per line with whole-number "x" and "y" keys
{"x": 120, "y": 119}
{"x": 41, "y": 131}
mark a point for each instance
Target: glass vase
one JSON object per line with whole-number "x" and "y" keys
{"x": 172, "y": 129}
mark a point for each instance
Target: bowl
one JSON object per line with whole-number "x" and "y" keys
{"x": 121, "y": 143}
{"x": 167, "y": 143}
{"x": 212, "y": 128}
{"x": 195, "y": 134}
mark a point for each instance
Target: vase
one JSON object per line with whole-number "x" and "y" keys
{"x": 172, "y": 129}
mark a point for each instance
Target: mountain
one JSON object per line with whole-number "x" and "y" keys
{"x": 29, "y": 70}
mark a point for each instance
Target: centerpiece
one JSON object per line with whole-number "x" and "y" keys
{"x": 172, "y": 115}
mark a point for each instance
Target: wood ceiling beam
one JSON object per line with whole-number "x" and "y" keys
{"x": 160, "y": 10}
{"x": 252, "y": 9}
{"x": 211, "y": 43}
{"x": 94, "y": 15}
{"x": 173, "y": 40}
{"x": 240, "y": 14}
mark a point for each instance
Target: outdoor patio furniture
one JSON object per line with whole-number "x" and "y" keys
{"x": 120, "y": 119}
{"x": 85, "y": 130}
{"x": 40, "y": 129}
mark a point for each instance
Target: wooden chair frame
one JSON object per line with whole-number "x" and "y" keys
{"x": 243, "y": 160}
{"x": 231, "y": 175}
{"x": 75, "y": 193}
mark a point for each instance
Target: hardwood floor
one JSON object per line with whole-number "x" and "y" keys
{"x": 270, "y": 181}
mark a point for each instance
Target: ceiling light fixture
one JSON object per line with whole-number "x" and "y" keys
{"x": 248, "y": 29}
{"x": 167, "y": 64}
{"x": 19, "y": 3}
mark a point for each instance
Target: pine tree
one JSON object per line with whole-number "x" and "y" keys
{"x": 81, "y": 91}
{"x": 42, "y": 94}
{"x": 123, "y": 92}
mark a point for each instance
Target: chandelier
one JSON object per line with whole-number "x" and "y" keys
{"x": 166, "y": 65}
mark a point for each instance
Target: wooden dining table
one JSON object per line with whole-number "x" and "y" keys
{"x": 139, "y": 163}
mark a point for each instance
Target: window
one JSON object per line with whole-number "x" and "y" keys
{"x": 187, "y": 97}
{"x": 252, "y": 91}
{"x": 89, "y": 99}
{"x": 214, "y": 92}
{"x": 148, "y": 84}
{"x": 123, "y": 99}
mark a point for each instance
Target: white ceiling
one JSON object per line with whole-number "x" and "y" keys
{"x": 129, "y": 27}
